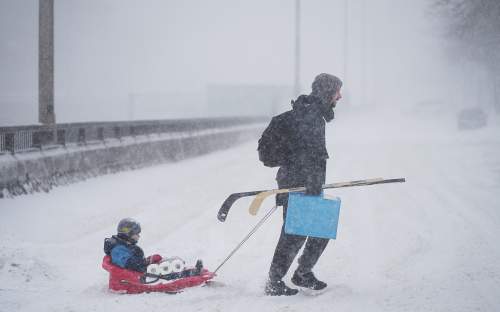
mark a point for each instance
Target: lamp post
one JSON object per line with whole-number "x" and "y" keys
{"x": 46, "y": 112}
{"x": 346, "y": 39}
{"x": 297, "y": 48}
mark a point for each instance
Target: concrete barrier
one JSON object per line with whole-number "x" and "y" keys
{"x": 35, "y": 171}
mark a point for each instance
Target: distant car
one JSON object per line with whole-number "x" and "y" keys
{"x": 472, "y": 118}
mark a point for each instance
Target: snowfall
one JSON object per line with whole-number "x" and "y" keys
{"x": 430, "y": 244}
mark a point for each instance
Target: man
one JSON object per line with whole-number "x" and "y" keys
{"x": 303, "y": 165}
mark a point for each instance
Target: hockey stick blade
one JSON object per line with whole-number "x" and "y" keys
{"x": 259, "y": 199}
{"x": 228, "y": 203}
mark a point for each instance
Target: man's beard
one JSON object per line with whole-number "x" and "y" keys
{"x": 327, "y": 111}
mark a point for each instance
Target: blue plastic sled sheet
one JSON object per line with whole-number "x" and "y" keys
{"x": 314, "y": 216}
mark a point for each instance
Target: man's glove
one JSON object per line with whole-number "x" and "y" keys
{"x": 314, "y": 182}
{"x": 314, "y": 190}
{"x": 154, "y": 259}
{"x": 313, "y": 186}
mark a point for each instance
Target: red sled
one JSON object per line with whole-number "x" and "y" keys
{"x": 132, "y": 282}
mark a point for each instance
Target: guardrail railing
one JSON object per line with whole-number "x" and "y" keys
{"x": 28, "y": 138}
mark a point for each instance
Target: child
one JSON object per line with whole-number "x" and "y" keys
{"x": 123, "y": 249}
{"x": 124, "y": 252}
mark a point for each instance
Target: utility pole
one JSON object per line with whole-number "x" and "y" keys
{"x": 364, "y": 45}
{"x": 46, "y": 112}
{"x": 297, "y": 48}
{"x": 346, "y": 46}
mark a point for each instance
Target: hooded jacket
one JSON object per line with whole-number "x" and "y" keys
{"x": 125, "y": 254}
{"x": 305, "y": 163}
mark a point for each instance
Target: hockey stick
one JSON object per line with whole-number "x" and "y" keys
{"x": 257, "y": 202}
{"x": 254, "y": 207}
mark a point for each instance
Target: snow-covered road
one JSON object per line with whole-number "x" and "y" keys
{"x": 426, "y": 245}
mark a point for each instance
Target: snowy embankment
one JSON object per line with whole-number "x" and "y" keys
{"x": 428, "y": 244}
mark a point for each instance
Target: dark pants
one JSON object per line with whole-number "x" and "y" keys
{"x": 287, "y": 249}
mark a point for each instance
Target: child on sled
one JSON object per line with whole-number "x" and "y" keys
{"x": 126, "y": 254}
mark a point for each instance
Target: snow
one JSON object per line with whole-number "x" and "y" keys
{"x": 427, "y": 244}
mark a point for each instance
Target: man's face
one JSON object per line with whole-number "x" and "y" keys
{"x": 334, "y": 98}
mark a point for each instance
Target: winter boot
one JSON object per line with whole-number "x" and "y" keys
{"x": 307, "y": 280}
{"x": 279, "y": 288}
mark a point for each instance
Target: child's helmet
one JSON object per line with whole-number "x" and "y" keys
{"x": 128, "y": 227}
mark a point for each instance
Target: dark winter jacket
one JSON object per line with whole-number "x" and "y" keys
{"x": 305, "y": 163}
{"x": 125, "y": 254}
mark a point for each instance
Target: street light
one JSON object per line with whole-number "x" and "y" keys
{"x": 46, "y": 112}
{"x": 297, "y": 48}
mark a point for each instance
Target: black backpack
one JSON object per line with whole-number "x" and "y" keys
{"x": 273, "y": 144}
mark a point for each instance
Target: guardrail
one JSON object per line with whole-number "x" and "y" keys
{"x": 38, "y": 158}
{"x": 28, "y": 138}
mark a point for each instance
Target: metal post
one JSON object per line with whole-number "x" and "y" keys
{"x": 46, "y": 112}
{"x": 297, "y": 48}
{"x": 346, "y": 39}
{"x": 364, "y": 46}
{"x": 496, "y": 93}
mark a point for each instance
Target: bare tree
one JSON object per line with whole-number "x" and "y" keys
{"x": 474, "y": 25}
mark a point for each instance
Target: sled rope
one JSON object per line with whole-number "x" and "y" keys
{"x": 255, "y": 228}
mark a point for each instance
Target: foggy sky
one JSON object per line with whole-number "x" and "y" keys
{"x": 109, "y": 54}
